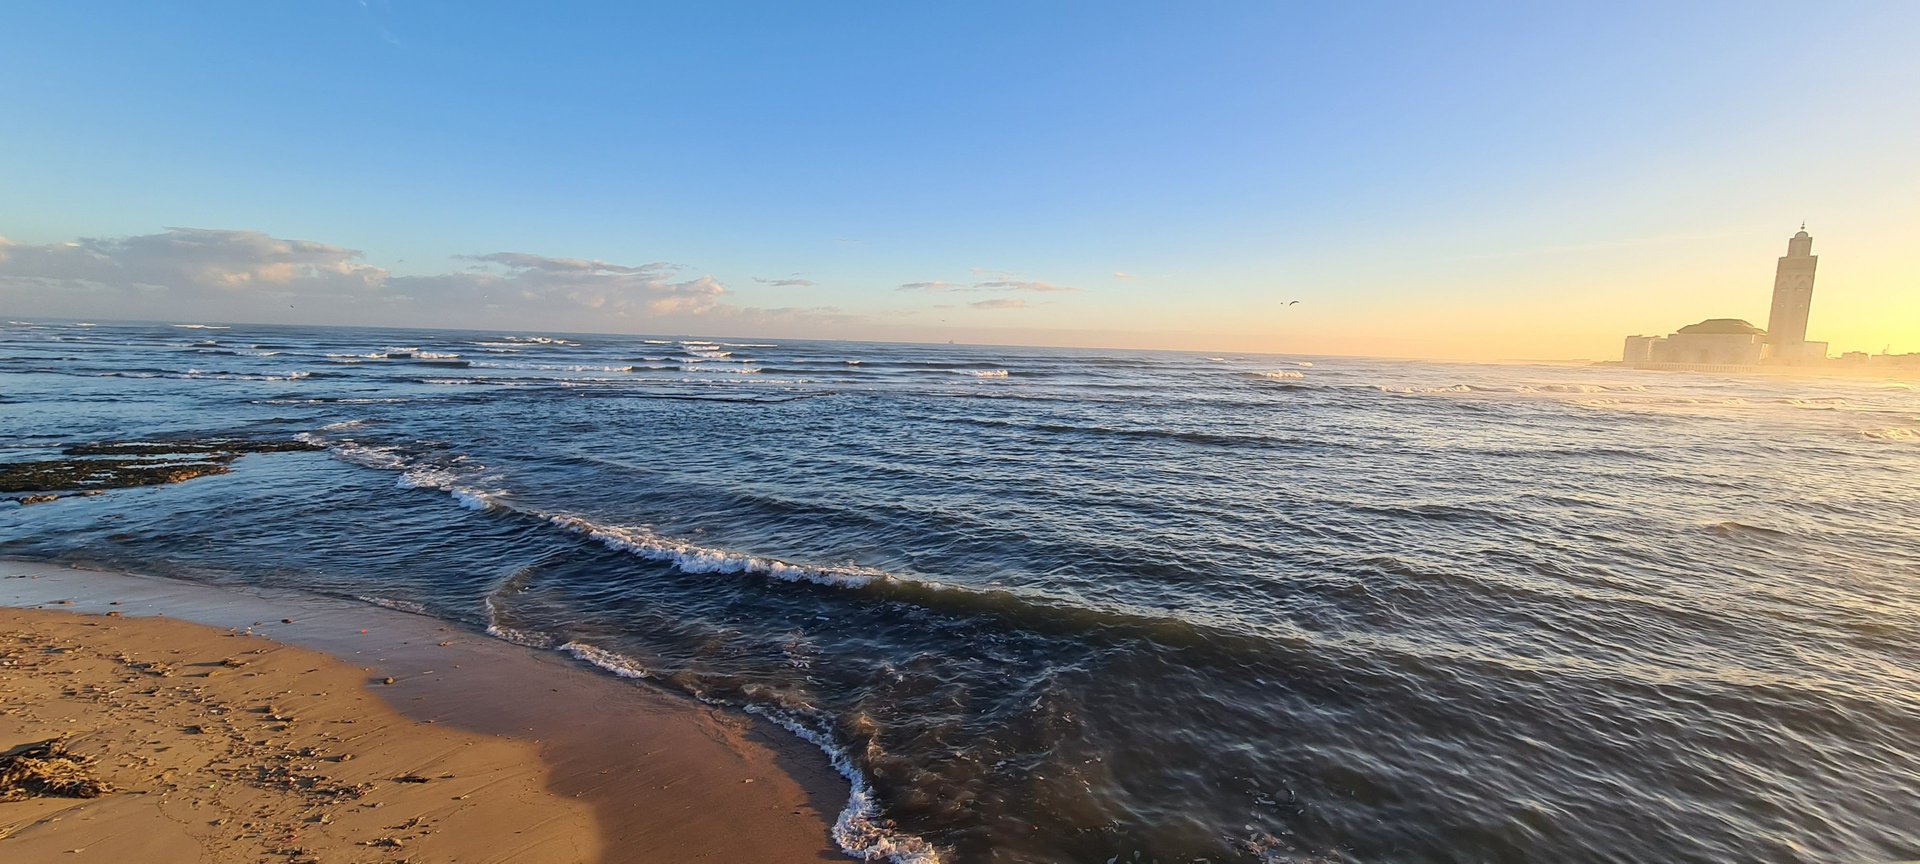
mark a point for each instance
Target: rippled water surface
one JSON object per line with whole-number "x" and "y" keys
{"x": 1062, "y": 605}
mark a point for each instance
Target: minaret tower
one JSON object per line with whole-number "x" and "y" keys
{"x": 1792, "y": 299}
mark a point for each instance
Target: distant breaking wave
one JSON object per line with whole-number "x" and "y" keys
{"x": 1517, "y": 388}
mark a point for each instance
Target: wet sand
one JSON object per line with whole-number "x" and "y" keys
{"x": 221, "y": 715}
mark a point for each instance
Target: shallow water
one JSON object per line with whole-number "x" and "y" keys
{"x": 1065, "y": 605}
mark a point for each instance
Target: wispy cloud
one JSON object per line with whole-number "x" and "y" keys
{"x": 1000, "y": 303}
{"x": 789, "y": 282}
{"x": 521, "y": 277}
{"x": 529, "y": 263}
{"x": 1124, "y": 277}
{"x": 1023, "y": 285}
{"x": 994, "y": 285}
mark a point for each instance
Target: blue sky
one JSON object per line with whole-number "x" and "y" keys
{"x": 1472, "y": 181}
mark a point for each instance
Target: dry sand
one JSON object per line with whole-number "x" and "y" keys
{"x": 224, "y": 746}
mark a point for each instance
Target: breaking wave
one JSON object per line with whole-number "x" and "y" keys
{"x": 860, "y": 831}
{"x": 399, "y": 605}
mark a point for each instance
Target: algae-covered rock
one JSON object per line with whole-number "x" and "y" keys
{"x": 57, "y": 474}
{"x": 103, "y": 465}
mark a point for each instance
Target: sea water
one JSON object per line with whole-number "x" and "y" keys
{"x": 1095, "y": 605}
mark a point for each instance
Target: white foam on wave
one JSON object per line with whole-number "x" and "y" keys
{"x": 341, "y": 401}
{"x": 1455, "y": 388}
{"x": 401, "y": 605}
{"x": 203, "y": 375}
{"x": 1524, "y": 389}
{"x": 481, "y": 382}
{"x": 1281, "y": 375}
{"x": 363, "y": 455}
{"x": 548, "y": 367}
{"x": 1827, "y": 403}
{"x": 518, "y": 637}
{"x": 633, "y": 539}
{"x": 590, "y": 382}
{"x": 183, "y": 326}
{"x": 694, "y": 558}
{"x": 860, "y": 831}
{"x": 709, "y": 354}
{"x": 1580, "y": 388}
{"x": 985, "y": 373}
{"x": 1893, "y": 433}
{"x": 448, "y": 481}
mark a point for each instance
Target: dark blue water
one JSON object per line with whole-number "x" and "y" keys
{"x": 1063, "y": 605}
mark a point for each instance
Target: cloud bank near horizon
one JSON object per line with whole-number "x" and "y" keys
{"x": 225, "y": 274}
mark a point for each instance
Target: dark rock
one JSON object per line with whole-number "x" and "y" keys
{"x": 58, "y": 474}
{"x": 211, "y": 446}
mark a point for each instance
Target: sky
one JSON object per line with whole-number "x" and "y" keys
{"x": 1472, "y": 181}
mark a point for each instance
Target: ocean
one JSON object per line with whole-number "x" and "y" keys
{"x": 1052, "y": 605}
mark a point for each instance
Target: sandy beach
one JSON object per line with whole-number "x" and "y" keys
{"x": 233, "y": 725}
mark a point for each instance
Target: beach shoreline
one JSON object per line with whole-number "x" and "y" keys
{"x": 648, "y": 775}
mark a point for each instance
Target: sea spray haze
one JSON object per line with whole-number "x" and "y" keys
{"x": 1051, "y": 605}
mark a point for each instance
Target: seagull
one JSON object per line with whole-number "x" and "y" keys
{"x": 1294, "y": 303}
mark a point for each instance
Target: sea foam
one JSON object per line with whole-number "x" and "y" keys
{"x": 860, "y": 831}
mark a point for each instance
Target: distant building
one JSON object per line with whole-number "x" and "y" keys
{"x": 1792, "y": 301}
{"x": 1734, "y": 342}
{"x": 1639, "y": 349}
{"x": 1895, "y": 361}
{"x": 1713, "y": 342}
